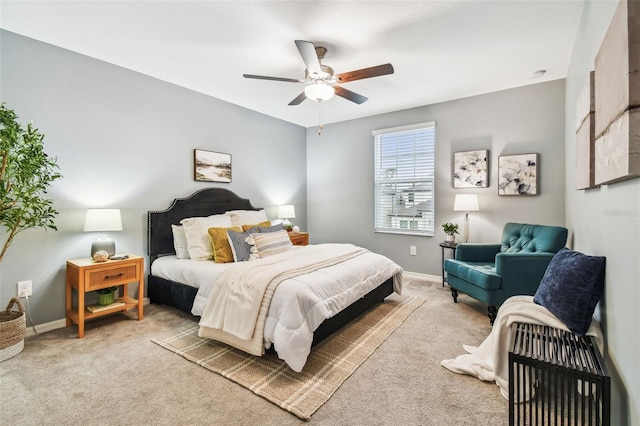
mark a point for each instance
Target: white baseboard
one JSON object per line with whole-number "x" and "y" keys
{"x": 54, "y": 325}
{"x": 419, "y": 276}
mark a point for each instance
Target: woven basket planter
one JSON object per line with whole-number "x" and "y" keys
{"x": 12, "y": 330}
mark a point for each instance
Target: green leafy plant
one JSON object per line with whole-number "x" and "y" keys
{"x": 26, "y": 172}
{"x": 450, "y": 228}
{"x": 107, "y": 290}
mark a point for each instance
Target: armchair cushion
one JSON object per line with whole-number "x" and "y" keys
{"x": 482, "y": 274}
{"x": 571, "y": 287}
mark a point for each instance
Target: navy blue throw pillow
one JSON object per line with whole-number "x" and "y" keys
{"x": 571, "y": 287}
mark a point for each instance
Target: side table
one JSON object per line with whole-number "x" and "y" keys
{"x": 449, "y": 246}
{"x": 85, "y": 275}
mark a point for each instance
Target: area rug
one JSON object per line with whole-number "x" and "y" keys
{"x": 330, "y": 363}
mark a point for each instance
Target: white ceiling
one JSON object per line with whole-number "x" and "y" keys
{"x": 441, "y": 50}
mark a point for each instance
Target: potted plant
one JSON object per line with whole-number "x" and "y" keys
{"x": 106, "y": 296}
{"x": 26, "y": 172}
{"x": 451, "y": 229}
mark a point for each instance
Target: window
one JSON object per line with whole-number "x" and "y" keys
{"x": 404, "y": 169}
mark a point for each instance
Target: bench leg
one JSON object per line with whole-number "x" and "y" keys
{"x": 454, "y": 294}
{"x": 493, "y": 312}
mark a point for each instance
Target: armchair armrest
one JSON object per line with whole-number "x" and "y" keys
{"x": 477, "y": 252}
{"x": 522, "y": 272}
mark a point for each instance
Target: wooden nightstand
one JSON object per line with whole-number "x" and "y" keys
{"x": 86, "y": 275}
{"x": 299, "y": 238}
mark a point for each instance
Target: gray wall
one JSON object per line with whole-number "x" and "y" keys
{"x": 124, "y": 140}
{"x": 606, "y": 222}
{"x": 523, "y": 120}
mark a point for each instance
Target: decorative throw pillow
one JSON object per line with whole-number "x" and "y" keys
{"x": 571, "y": 287}
{"x": 240, "y": 248}
{"x": 198, "y": 239}
{"x": 247, "y": 217}
{"x": 220, "y": 241}
{"x": 180, "y": 242}
{"x": 269, "y": 243}
{"x": 265, "y": 224}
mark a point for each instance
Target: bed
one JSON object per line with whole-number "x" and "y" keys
{"x": 164, "y": 289}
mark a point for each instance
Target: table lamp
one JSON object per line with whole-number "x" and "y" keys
{"x": 466, "y": 203}
{"x": 286, "y": 212}
{"x": 103, "y": 220}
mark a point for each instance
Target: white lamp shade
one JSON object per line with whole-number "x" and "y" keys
{"x": 466, "y": 203}
{"x": 102, "y": 220}
{"x": 286, "y": 212}
{"x": 319, "y": 92}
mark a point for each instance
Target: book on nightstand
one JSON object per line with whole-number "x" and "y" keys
{"x": 100, "y": 308}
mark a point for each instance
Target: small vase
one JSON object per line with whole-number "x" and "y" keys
{"x": 450, "y": 238}
{"x": 107, "y": 298}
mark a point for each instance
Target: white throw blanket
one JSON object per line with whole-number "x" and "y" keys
{"x": 490, "y": 361}
{"x": 237, "y": 295}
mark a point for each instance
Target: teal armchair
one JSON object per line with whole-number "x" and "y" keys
{"x": 491, "y": 273}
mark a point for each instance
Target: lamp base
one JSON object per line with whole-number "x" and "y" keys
{"x": 465, "y": 228}
{"x": 103, "y": 243}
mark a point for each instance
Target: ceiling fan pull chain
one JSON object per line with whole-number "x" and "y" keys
{"x": 321, "y": 125}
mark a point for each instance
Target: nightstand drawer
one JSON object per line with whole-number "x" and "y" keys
{"x": 299, "y": 238}
{"x": 111, "y": 276}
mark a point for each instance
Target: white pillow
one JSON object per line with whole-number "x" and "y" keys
{"x": 269, "y": 243}
{"x": 198, "y": 239}
{"x": 247, "y": 217}
{"x": 180, "y": 242}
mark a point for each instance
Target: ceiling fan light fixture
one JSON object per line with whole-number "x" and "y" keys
{"x": 319, "y": 91}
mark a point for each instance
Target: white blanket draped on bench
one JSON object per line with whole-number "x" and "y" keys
{"x": 490, "y": 361}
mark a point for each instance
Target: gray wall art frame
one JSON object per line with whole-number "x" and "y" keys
{"x": 210, "y": 166}
{"x": 471, "y": 169}
{"x": 518, "y": 174}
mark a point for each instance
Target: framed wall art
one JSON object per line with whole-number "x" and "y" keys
{"x": 211, "y": 166}
{"x": 470, "y": 169}
{"x": 518, "y": 174}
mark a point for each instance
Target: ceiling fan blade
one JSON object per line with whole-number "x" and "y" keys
{"x": 298, "y": 100}
{"x": 365, "y": 73}
{"x": 349, "y": 95}
{"x": 309, "y": 56}
{"x": 264, "y": 77}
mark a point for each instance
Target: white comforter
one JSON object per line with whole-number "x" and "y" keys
{"x": 317, "y": 282}
{"x": 490, "y": 361}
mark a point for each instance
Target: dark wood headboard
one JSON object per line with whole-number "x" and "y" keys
{"x": 202, "y": 203}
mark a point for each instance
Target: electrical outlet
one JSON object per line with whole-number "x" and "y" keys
{"x": 24, "y": 288}
{"x": 412, "y": 250}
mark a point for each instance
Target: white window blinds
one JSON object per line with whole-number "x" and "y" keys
{"x": 404, "y": 170}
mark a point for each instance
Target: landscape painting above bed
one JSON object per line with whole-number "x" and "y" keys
{"x": 242, "y": 302}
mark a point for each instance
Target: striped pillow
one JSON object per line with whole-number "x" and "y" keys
{"x": 269, "y": 243}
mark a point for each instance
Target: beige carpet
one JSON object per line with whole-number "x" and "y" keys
{"x": 328, "y": 366}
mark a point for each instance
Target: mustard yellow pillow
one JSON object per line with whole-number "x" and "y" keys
{"x": 264, "y": 224}
{"x": 219, "y": 239}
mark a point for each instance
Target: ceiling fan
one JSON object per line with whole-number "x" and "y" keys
{"x": 321, "y": 82}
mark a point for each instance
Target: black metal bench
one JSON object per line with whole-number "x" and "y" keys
{"x": 556, "y": 378}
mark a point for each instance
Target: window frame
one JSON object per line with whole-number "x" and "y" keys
{"x": 412, "y": 177}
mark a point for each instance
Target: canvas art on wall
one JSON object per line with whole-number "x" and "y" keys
{"x": 470, "y": 169}
{"x": 211, "y": 166}
{"x": 518, "y": 174}
{"x": 585, "y": 141}
{"x": 617, "y": 95}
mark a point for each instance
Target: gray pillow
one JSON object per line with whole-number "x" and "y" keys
{"x": 239, "y": 247}
{"x": 274, "y": 228}
{"x": 571, "y": 287}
